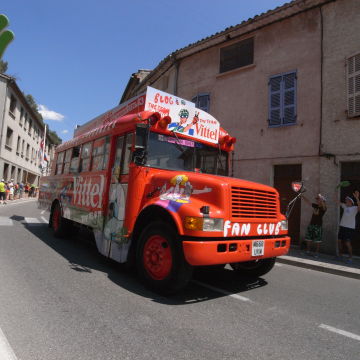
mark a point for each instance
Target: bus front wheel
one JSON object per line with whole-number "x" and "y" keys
{"x": 254, "y": 268}
{"x": 160, "y": 260}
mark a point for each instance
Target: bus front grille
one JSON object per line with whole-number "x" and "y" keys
{"x": 252, "y": 203}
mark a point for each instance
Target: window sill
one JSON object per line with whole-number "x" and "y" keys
{"x": 7, "y": 147}
{"x": 281, "y": 125}
{"x": 353, "y": 117}
{"x": 235, "y": 71}
{"x": 12, "y": 114}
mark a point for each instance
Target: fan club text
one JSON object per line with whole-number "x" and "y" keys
{"x": 236, "y": 229}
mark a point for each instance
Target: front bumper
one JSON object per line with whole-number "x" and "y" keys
{"x": 201, "y": 253}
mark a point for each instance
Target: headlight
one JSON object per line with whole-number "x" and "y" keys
{"x": 203, "y": 224}
{"x": 284, "y": 225}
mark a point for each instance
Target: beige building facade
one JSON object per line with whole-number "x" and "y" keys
{"x": 280, "y": 83}
{"x": 21, "y": 135}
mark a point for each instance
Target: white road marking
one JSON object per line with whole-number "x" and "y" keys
{"x": 44, "y": 220}
{"x": 30, "y": 220}
{"x": 6, "y": 352}
{"x": 42, "y": 212}
{"x": 213, "y": 288}
{"x": 5, "y": 221}
{"x": 340, "y": 332}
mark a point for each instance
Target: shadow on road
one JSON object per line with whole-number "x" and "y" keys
{"x": 81, "y": 253}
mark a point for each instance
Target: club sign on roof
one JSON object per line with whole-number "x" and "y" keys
{"x": 185, "y": 117}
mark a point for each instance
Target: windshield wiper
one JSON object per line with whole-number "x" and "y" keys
{"x": 218, "y": 157}
{"x": 177, "y": 143}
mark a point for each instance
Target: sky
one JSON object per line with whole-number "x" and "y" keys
{"x": 75, "y": 57}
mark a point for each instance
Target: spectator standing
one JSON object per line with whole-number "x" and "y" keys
{"x": 2, "y": 192}
{"x": 21, "y": 189}
{"x": 7, "y": 190}
{"x": 27, "y": 188}
{"x": 314, "y": 230}
{"x": 11, "y": 189}
{"x": 348, "y": 224}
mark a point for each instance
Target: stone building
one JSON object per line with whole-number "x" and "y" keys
{"x": 21, "y": 135}
{"x": 286, "y": 83}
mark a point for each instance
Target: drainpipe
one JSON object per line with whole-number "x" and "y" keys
{"x": 177, "y": 65}
{"x": 3, "y": 123}
{"x": 321, "y": 76}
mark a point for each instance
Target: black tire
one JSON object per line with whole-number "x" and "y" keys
{"x": 160, "y": 259}
{"x": 60, "y": 225}
{"x": 254, "y": 268}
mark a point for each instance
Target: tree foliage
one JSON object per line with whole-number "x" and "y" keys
{"x": 3, "y": 66}
{"x": 54, "y": 136}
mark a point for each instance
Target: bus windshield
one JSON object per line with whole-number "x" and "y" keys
{"x": 172, "y": 153}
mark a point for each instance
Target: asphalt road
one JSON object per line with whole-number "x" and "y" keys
{"x": 59, "y": 299}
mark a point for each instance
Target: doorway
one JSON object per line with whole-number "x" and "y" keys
{"x": 284, "y": 175}
{"x": 350, "y": 171}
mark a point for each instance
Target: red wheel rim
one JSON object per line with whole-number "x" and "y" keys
{"x": 56, "y": 218}
{"x": 157, "y": 257}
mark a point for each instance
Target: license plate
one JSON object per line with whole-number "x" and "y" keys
{"x": 258, "y": 247}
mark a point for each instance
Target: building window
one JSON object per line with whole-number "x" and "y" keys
{"x": 18, "y": 145}
{"x": 282, "y": 99}
{"x": 237, "y": 55}
{"x": 12, "y": 104}
{"x": 27, "y": 152}
{"x": 21, "y": 116}
{"x": 202, "y": 101}
{"x": 9, "y": 138}
{"x": 353, "y": 85}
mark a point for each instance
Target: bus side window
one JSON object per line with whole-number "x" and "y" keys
{"x": 117, "y": 161}
{"x": 85, "y": 157}
{"x": 67, "y": 160}
{"x": 75, "y": 161}
{"x": 100, "y": 153}
{"x": 107, "y": 152}
{"x": 59, "y": 163}
{"x": 128, "y": 153}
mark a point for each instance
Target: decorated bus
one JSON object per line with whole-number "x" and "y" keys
{"x": 151, "y": 179}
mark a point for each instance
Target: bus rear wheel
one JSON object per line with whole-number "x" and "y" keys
{"x": 160, "y": 260}
{"x": 254, "y": 268}
{"x": 59, "y": 224}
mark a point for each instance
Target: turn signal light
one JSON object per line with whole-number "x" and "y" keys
{"x": 193, "y": 223}
{"x": 164, "y": 122}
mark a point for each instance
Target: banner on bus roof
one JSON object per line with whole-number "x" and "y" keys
{"x": 185, "y": 117}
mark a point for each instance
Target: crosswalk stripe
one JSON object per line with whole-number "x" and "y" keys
{"x": 30, "y": 220}
{"x": 6, "y": 221}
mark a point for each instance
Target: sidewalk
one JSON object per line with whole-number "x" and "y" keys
{"x": 16, "y": 201}
{"x": 324, "y": 263}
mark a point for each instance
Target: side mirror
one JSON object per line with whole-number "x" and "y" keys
{"x": 141, "y": 143}
{"x": 297, "y": 186}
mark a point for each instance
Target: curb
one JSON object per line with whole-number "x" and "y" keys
{"x": 330, "y": 268}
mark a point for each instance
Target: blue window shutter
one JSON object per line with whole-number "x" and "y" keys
{"x": 202, "y": 101}
{"x": 289, "y": 114}
{"x": 282, "y": 99}
{"x": 275, "y": 100}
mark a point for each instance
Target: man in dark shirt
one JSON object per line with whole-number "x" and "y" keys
{"x": 314, "y": 230}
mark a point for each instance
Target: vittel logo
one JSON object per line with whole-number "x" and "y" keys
{"x": 88, "y": 191}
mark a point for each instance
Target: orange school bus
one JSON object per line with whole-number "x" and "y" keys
{"x": 150, "y": 178}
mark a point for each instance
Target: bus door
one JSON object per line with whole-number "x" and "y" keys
{"x": 114, "y": 229}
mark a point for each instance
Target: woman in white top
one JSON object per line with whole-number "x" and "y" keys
{"x": 348, "y": 224}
